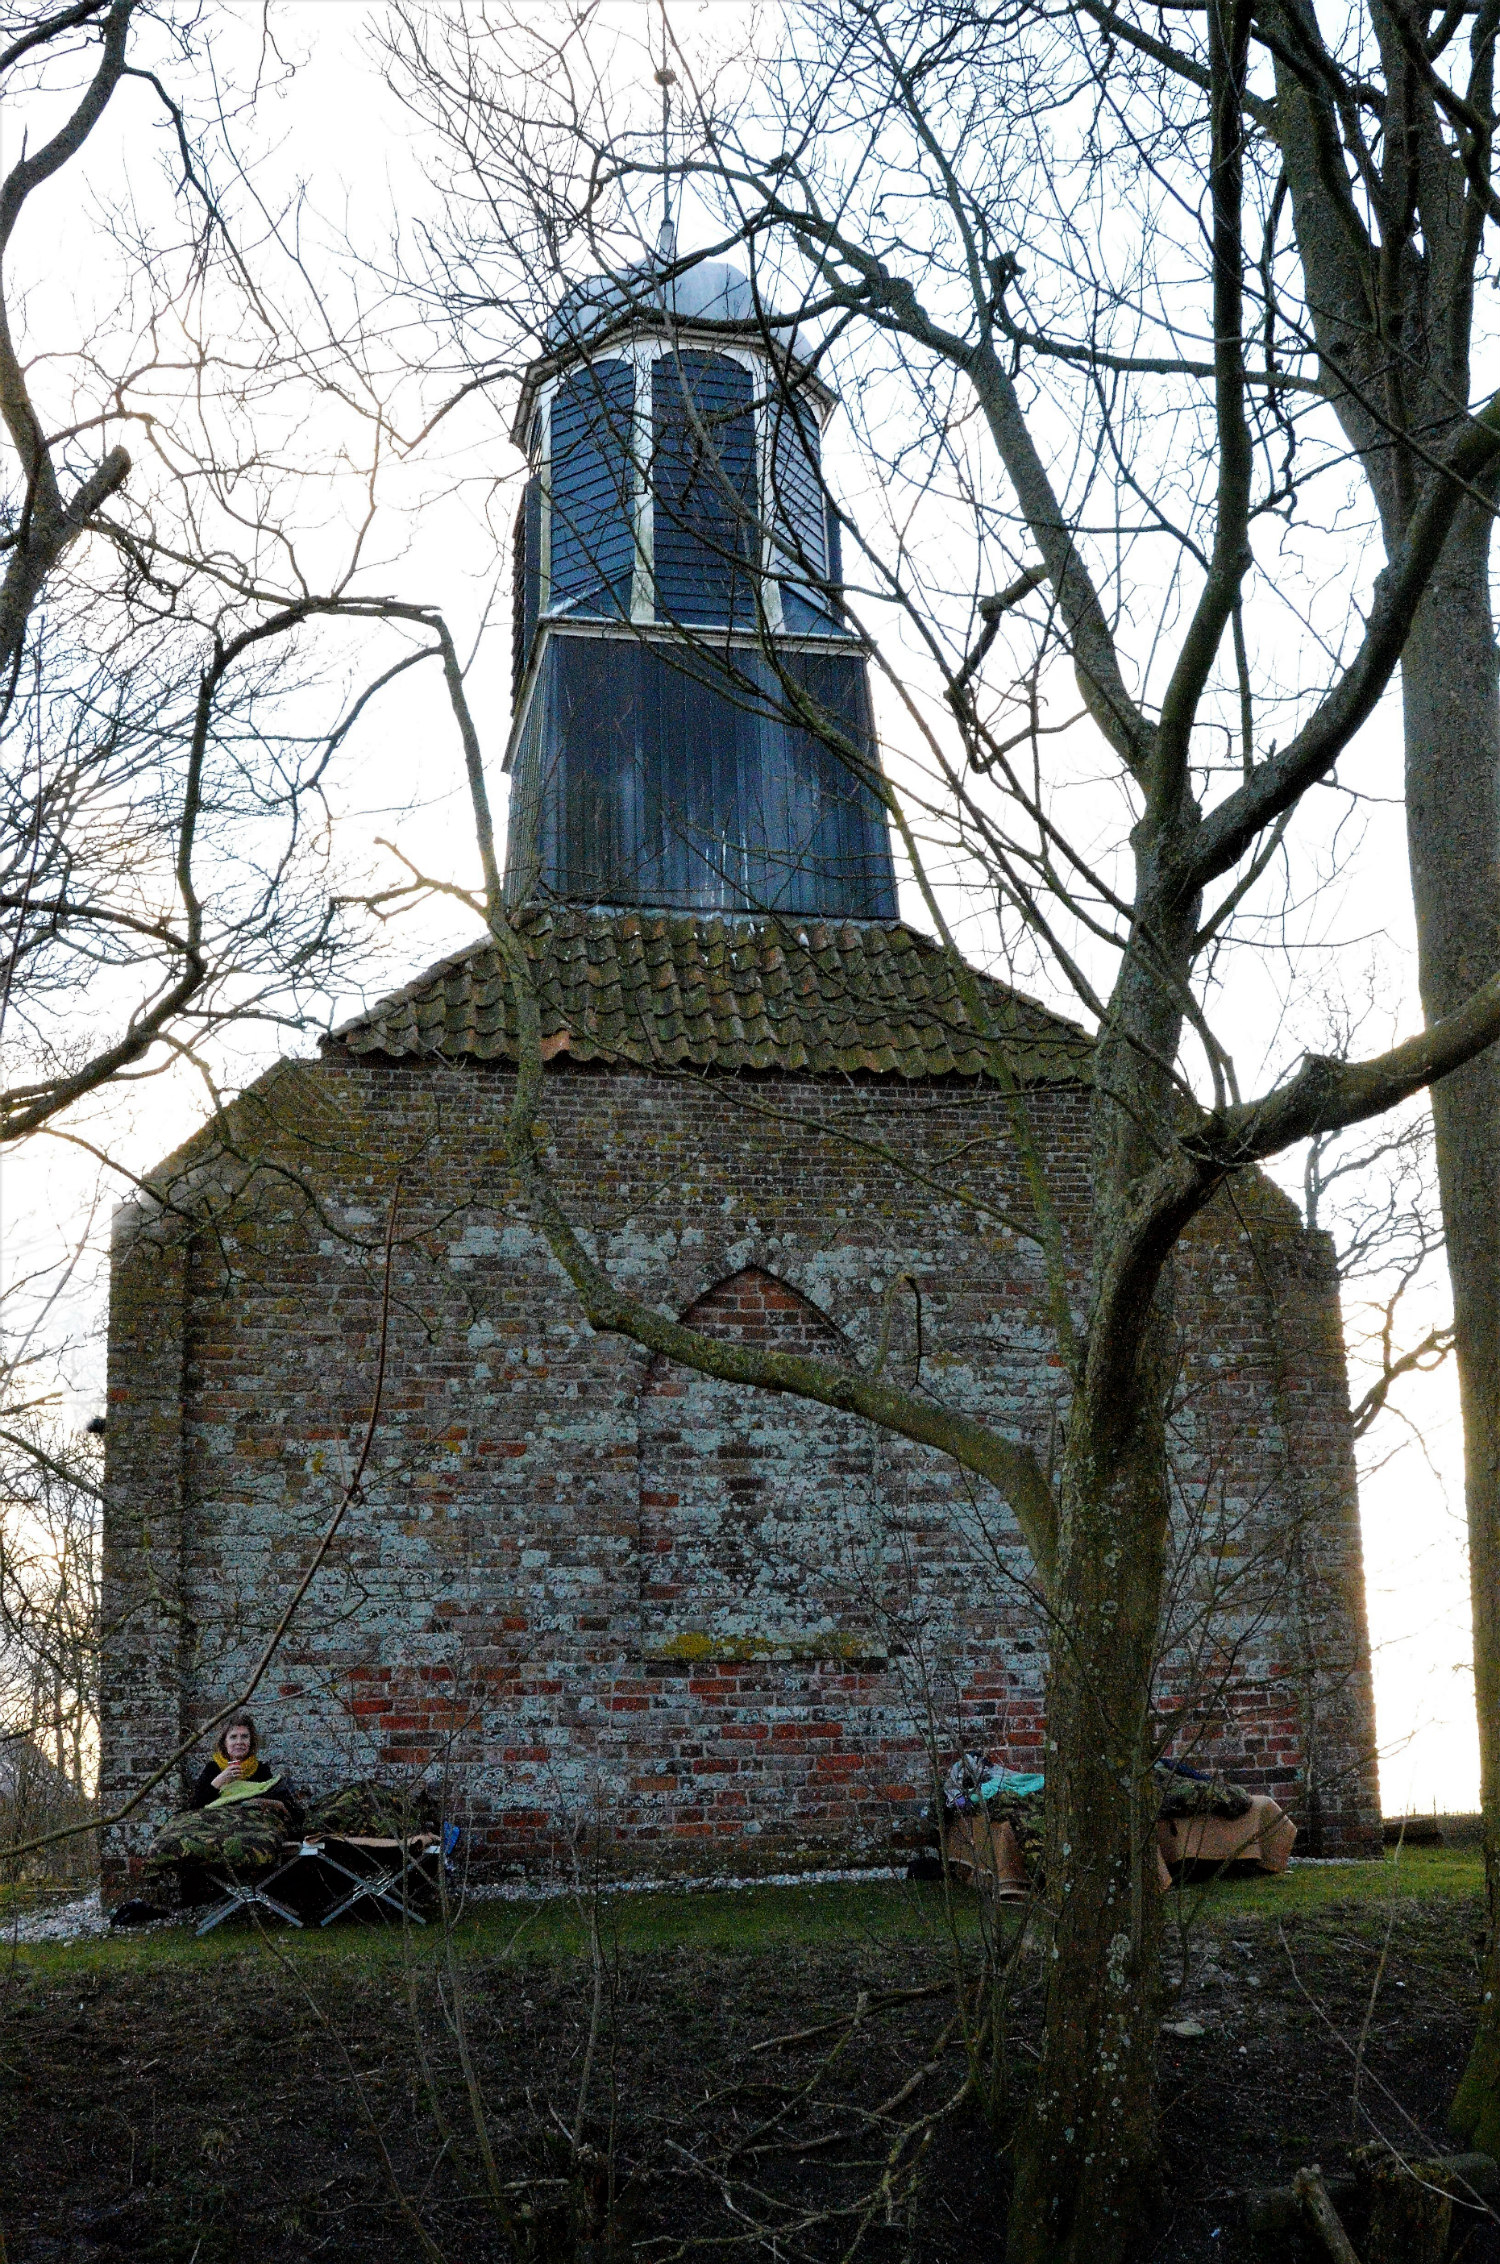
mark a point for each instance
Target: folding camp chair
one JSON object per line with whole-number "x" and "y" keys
{"x": 393, "y": 1868}
{"x": 251, "y": 1891}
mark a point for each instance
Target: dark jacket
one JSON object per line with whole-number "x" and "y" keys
{"x": 206, "y": 1790}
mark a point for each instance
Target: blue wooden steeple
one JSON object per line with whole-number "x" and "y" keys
{"x": 692, "y": 721}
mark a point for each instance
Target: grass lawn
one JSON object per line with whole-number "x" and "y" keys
{"x": 1416, "y": 1873}
{"x": 752, "y": 1920}
{"x": 749, "y": 1920}
{"x": 239, "y": 2098}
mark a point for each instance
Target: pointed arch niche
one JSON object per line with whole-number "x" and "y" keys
{"x": 771, "y": 1527}
{"x": 756, "y": 1508}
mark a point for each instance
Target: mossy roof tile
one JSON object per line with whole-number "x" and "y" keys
{"x": 685, "y": 991}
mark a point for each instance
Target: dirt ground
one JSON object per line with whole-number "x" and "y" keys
{"x": 233, "y": 2101}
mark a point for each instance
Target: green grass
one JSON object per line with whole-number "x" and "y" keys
{"x": 754, "y": 1920}
{"x": 750, "y": 1921}
{"x": 1416, "y": 1875}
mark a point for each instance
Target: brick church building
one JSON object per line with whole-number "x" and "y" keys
{"x": 588, "y": 1590}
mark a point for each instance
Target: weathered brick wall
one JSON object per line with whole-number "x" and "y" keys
{"x": 1269, "y": 1558}
{"x": 142, "y": 1693}
{"x": 590, "y": 1587}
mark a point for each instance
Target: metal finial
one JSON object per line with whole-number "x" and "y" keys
{"x": 666, "y": 79}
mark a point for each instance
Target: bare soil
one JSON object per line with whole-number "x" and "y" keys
{"x": 231, "y": 2107}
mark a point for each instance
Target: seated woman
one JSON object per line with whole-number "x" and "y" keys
{"x": 241, "y": 1813}
{"x": 236, "y": 1761}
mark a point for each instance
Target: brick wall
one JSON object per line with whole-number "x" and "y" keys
{"x": 727, "y": 1627}
{"x": 142, "y": 1700}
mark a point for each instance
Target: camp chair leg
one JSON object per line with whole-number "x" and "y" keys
{"x": 383, "y": 1886}
{"x": 374, "y": 1890}
{"x": 372, "y": 1893}
{"x": 239, "y": 1896}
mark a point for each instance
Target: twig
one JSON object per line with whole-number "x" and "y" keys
{"x": 472, "y": 2085}
{"x": 1365, "y": 2024}
{"x": 1313, "y": 2198}
{"x": 888, "y": 2106}
{"x": 751, "y": 2143}
{"x": 845, "y": 2020}
{"x": 596, "y": 2019}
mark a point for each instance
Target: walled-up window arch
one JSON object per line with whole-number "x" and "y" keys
{"x": 703, "y": 489}
{"x": 593, "y": 487}
{"x": 749, "y": 1500}
{"x": 773, "y": 1526}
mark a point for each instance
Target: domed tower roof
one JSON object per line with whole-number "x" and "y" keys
{"x": 693, "y": 727}
{"x": 711, "y": 290}
{"x": 663, "y": 294}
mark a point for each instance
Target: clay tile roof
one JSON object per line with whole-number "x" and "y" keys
{"x": 701, "y": 991}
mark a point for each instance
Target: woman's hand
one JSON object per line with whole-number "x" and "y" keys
{"x": 231, "y": 1775}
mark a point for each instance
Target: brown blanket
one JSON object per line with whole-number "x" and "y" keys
{"x": 985, "y": 1850}
{"x": 1263, "y": 1835}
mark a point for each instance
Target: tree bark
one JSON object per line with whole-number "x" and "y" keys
{"x": 1452, "y": 750}
{"x": 1086, "y": 2175}
{"x": 1452, "y": 722}
{"x": 1086, "y": 2181}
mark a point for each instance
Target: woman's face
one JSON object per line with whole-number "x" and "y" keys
{"x": 237, "y": 1743}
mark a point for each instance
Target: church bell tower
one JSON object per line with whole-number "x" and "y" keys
{"x": 692, "y": 722}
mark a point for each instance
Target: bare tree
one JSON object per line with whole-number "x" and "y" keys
{"x": 1376, "y": 1195}
{"x": 1375, "y": 136}
{"x": 193, "y": 572}
{"x": 50, "y": 1500}
{"x": 49, "y": 1602}
{"x": 1131, "y": 459}
{"x": 188, "y": 511}
{"x": 1391, "y": 200}
{"x": 179, "y": 589}
{"x": 1369, "y": 1194}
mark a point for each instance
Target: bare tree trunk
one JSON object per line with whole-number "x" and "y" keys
{"x": 1452, "y": 712}
{"x": 1452, "y": 732}
{"x": 1086, "y": 2165}
{"x": 1086, "y": 2180}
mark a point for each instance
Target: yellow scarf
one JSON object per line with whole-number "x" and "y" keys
{"x": 245, "y": 1768}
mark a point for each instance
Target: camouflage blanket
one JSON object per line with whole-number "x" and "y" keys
{"x": 1181, "y": 1792}
{"x": 1007, "y": 1796}
{"x": 1192, "y": 1792}
{"x": 1026, "y": 1816}
{"x": 245, "y": 1835}
{"x": 366, "y": 1810}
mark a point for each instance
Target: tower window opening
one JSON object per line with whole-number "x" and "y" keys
{"x": 525, "y": 592}
{"x": 592, "y": 491}
{"x": 703, "y": 490}
{"x": 799, "y": 515}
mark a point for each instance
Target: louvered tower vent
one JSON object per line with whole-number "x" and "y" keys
{"x": 692, "y": 716}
